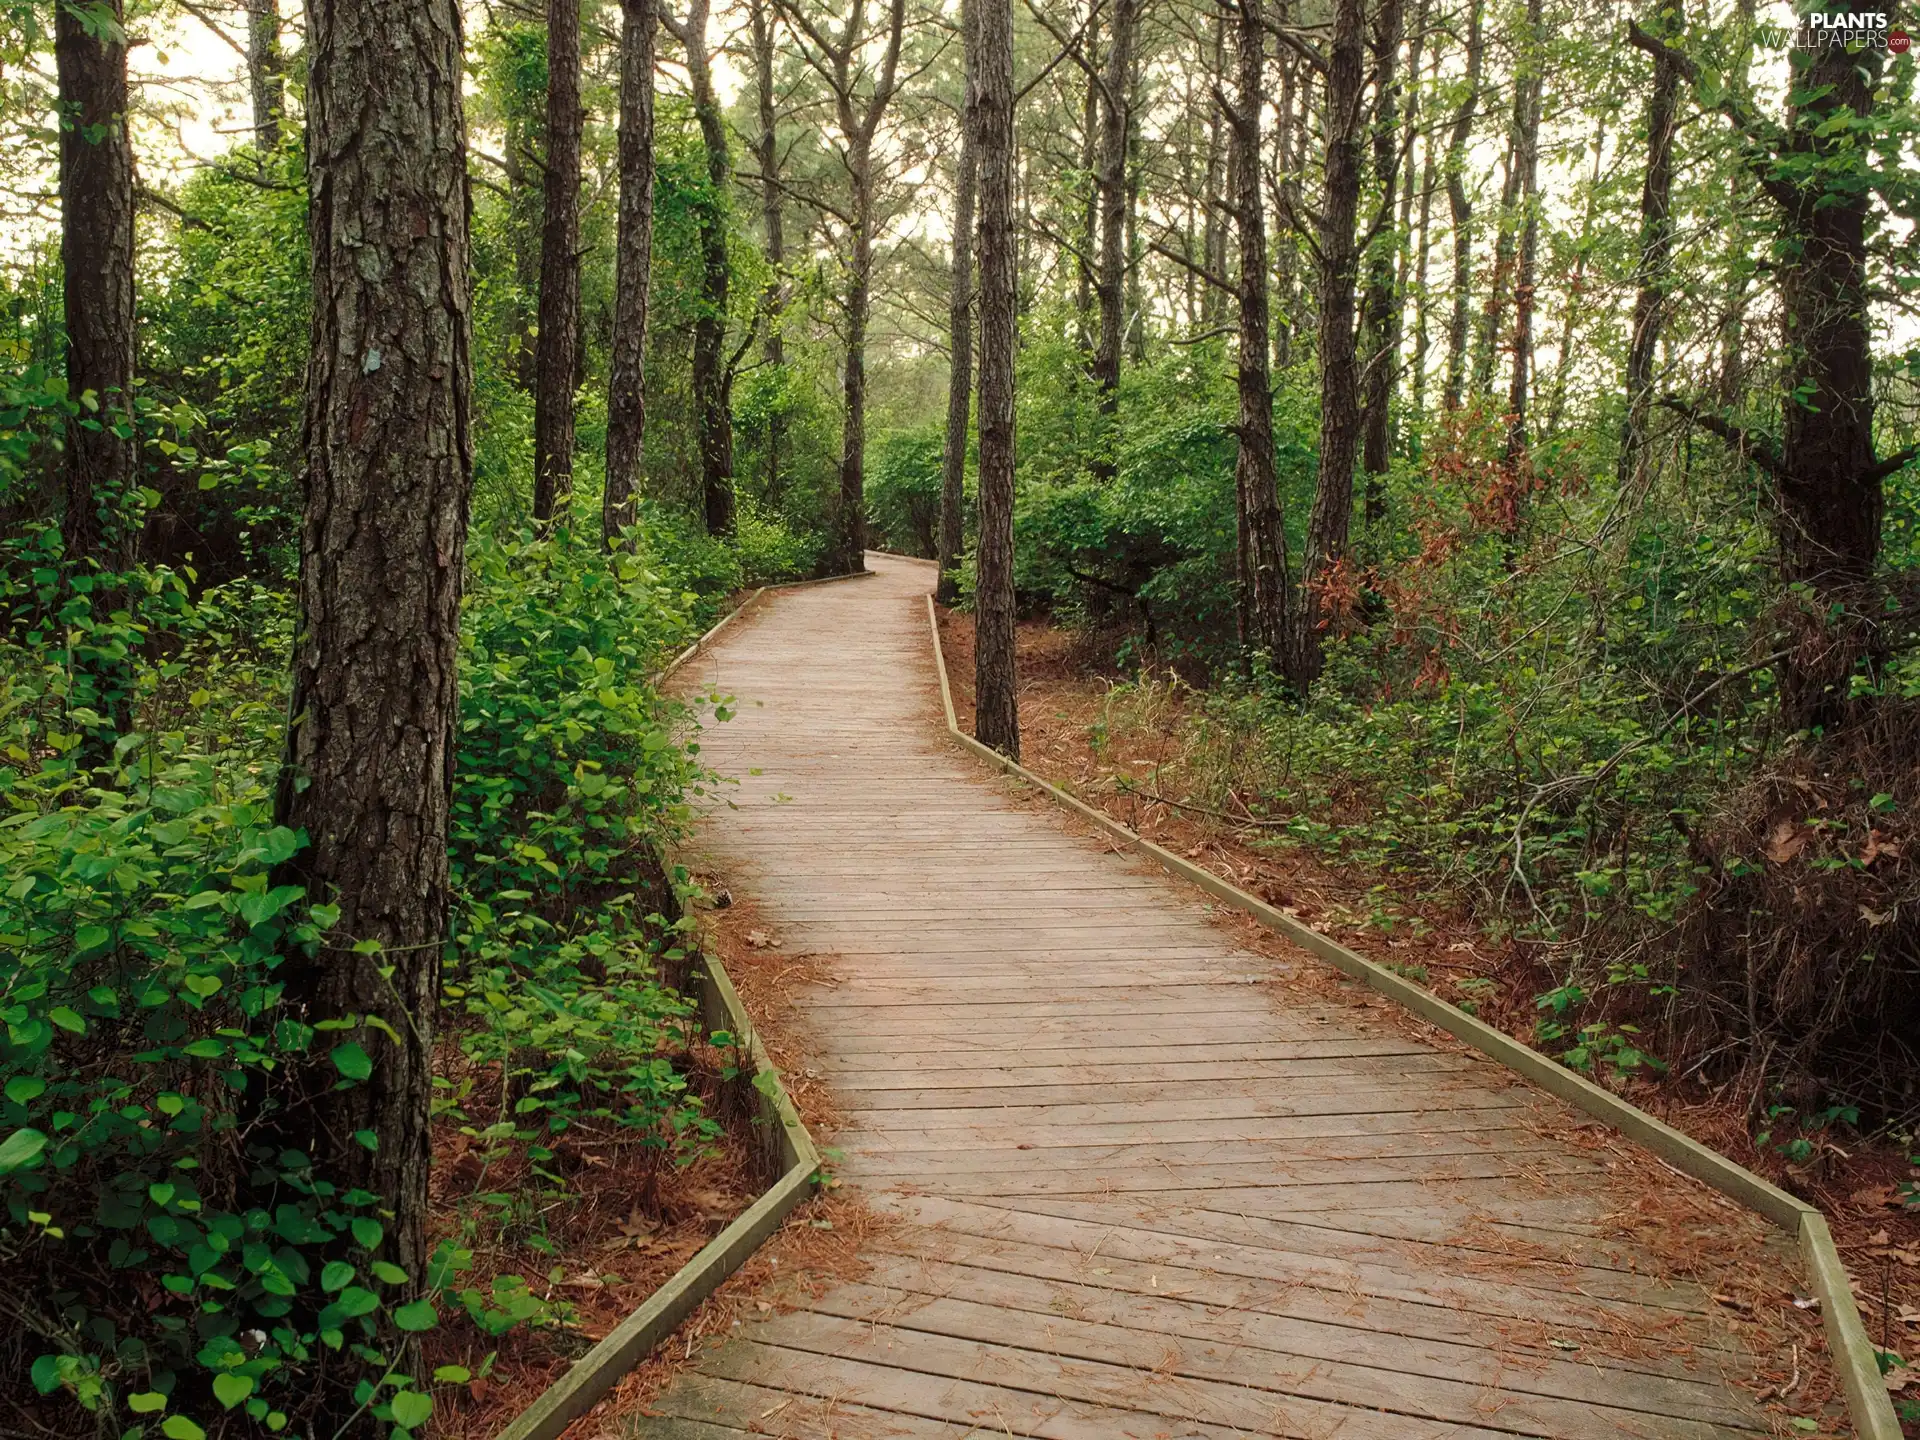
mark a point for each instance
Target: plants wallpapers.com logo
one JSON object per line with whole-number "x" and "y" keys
{"x": 1830, "y": 29}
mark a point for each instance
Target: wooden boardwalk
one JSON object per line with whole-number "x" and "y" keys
{"x": 1145, "y": 1181}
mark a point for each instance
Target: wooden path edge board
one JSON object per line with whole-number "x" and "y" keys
{"x": 632, "y": 1340}
{"x": 1868, "y": 1403}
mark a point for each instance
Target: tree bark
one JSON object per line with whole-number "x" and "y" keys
{"x": 1460, "y": 210}
{"x": 375, "y": 690}
{"x": 1380, "y": 327}
{"x": 1656, "y": 245}
{"x": 1262, "y": 536}
{"x": 1116, "y": 116}
{"x": 266, "y": 72}
{"x": 1423, "y": 258}
{"x": 1331, "y": 520}
{"x": 996, "y": 690}
{"x": 1493, "y": 315}
{"x": 96, "y": 256}
{"x": 1527, "y": 83}
{"x": 712, "y": 386}
{"x": 557, "y": 347}
{"x": 953, "y": 473}
{"x": 760, "y": 21}
{"x": 633, "y": 270}
{"x": 1213, "y": 230}
{"x": 1831, "y": 493}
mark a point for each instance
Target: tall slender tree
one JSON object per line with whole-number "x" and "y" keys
{"x": 389, "y": 469}
{"x": 1460, "y": 208}
{"x": 266, "y": 71}
{"x": 1343, "y": 125}
{"x": 1110, "y": 269}
{"x": 1262, "y": 533}
{"x": 996, "y": 684}
{"x": 96, "y": 256}
{"x": 1380, "y": 313}
{"x": 557, "y": 347}
{"x": 861, "y": 96}
{"x": 761, "y": 21}
{"x": 712, "y": 377}
{"x": 953, "y": 461}
{"x": 1656, "y": 242}
{"x": 1527, "y": 106}
{"x": 633, "y": 269}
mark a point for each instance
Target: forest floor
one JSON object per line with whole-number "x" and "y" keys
{"x": 1063, "y": 689}
{"x": 632, "y": 1223}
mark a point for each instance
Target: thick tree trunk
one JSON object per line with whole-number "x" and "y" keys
{"x": 953, "y": 473}
{"x": 557, "y": 347}
{"x": 1460, "y": 210}
{"x": 96, "y": 257}
{"x": 1286, "y": 162}
{"x": 1831, "y": 492}
{"x": 1380, "y": 327}
{"x": 266, "y": 72}
{"x": 1116, "y": 117}
{"x": 996, "y": 691}
{"x": 1331, "y": 520}
{"x": 712, "y": 400}
{"x": 773, "y": 220}
{"x": 375, "y": 691}
{"x": 1262, "y": 533}
{"x": 1656, "y": 246}
{"x": 633, "y": 269}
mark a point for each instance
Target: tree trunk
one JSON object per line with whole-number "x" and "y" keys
{"x": 1423, "y": 257}
{"x": 96, "y": 257}
{"x": 1381, "y": 311}
{"x": 1460, "y": 209}
{"x": 996, "y": 693}
{"x": 773, "y": 219}
{"x": 375, "y": 692}
{"x": 1656, "y": 245}
{"x": 850, "y": 514}
{"x": 266, "y": 72}
{"x": 712, "y": 400}
{"x": 1213, "y": 231}
{"x": 1331, "y": 520}
{"x": 626, "y": 381}
{"x": 1527, "y": 159}
{"x": 1090, "y": 214}
{"x": 1831, "y": 491}
{"x": 1493, "y": 316}
{"x": 1286, "y": 152}
{"x": 1262, "y": 534}
{"x": 953, "y": 474}
{"x": 557, "y": 348}
{"x": 1116, "y": 116}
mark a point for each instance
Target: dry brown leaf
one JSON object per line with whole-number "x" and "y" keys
{"x": 637, "y": 1225}
{"x": 1876, "y": 846}
{"x": 761, "y": 940}
{"x": 1786, "y": 841}
{"x": 1880, "y": 1237}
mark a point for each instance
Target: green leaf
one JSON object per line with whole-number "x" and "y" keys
{"x": 21, "y": 1148}
{"x": 179, "y": 1427}
{"x": 230, "y": 1389}
{"x": 367, "y": 1232}
{"x": 351, "y": 1061}
{"x": 23, "y": 1088}
{"x": 147, "y": 1402}
{"x": 453, "y": 1374}
{"x": 67, "y": 1019}
{"x": 355, "y": 1301}
{"x": 337, "y": 1275}
{"x": 417, "y": 1316}
{"x": 411, "y": 1408}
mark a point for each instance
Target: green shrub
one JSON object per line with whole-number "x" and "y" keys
{"x": 903, "y": 491}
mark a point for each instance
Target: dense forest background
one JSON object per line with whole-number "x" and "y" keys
{"x": 1489, "y": 425}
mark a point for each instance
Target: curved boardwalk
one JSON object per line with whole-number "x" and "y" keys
{"x": 1146, "y": 1180}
